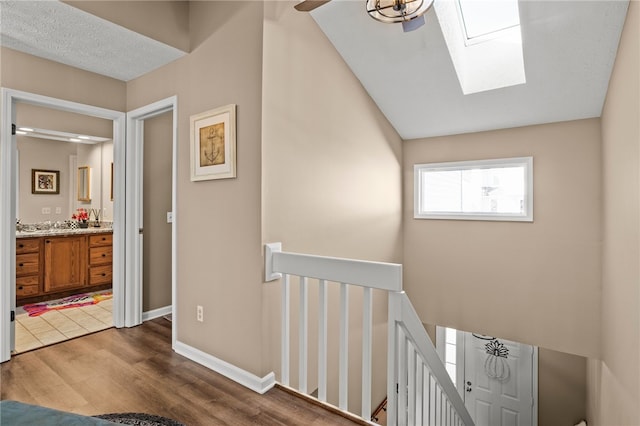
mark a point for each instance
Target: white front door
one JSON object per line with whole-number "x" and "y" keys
{"x": 498, "y": 381}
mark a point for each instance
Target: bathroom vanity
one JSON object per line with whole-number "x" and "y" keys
{"x": 57, "y": 263}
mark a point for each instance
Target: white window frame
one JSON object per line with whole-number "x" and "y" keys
{"x": 527, "y": 162}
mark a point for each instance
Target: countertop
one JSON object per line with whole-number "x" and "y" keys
{"x": 61, "y": 232}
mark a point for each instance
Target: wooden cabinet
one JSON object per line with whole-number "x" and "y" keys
{"x": 65, "y": 263}
{"x": 28, "y": 267}
{"x": 100, "y": 259}
{"x": 55, "y": 266}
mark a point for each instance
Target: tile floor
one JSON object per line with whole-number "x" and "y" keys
{"x": 57, "y": 326}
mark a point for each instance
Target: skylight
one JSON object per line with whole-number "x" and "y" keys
{"x": 484, "y": 41}
{"x": 481, "y": 18}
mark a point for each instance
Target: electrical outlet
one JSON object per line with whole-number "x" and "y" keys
{"x": 58, "y": 210}
{"x": 199, "y": 313}
{"x": 46, "y": 210}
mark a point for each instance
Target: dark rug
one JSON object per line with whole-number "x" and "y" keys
{"x": 139, "y": 419}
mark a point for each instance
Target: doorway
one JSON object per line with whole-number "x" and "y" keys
{"x": 496, "y": 378}
{"x": 127, "y": 228}
{"x": 8, "y": 161}
{"x": 144, "y": 227}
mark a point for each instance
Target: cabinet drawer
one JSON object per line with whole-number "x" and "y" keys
{"x": 30, "y": 280}
{"x": 100, "y": 275}
{"x": 100, "y": 255}
{"x": 27, "y": 264}
{"x": 100, "y": 240}
{"x": 27, "y": 245}
{"x": 27, "y": 286}
{"x": 27, "y": 290}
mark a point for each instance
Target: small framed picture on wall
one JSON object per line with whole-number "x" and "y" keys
{"x": 213, "y": 144}
{"x": 45, "y": 181}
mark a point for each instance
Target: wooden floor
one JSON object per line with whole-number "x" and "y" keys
{"x": 135, "y": 370}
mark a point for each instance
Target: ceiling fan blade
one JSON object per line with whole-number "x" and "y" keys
{"x": 309, "y": 5}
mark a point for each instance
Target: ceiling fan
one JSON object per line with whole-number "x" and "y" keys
{"x": 409, "y": 12}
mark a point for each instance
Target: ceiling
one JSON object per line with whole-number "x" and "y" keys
{"x": 56, "y": 31}
{"x": 569, "y": 50}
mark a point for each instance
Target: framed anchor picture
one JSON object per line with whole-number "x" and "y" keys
{"x": 213, "y": 144}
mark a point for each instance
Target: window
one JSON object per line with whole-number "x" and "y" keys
{"x": 450, "y": 353}
{"x": 450, "y": 349}
{"x": 475, "y": 190}
{"x": 484, "y": 39}
{"x": 481, "y": 18}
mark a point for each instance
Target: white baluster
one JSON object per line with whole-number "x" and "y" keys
{"x": 411, "y": 385}
{"x": 286, "y": 314}
{"x": 322, "y": 341}
{"x": 343, "y": 373}
{"x": 419, "y": 390}
{"x": 303, "y": 338}
{"x": 367, "y": 320}
{"x": 393, "y": 339}
{"x": 433, "y": 400}
{"x": 402, "y": 379}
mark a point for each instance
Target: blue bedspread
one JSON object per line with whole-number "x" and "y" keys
{"x": 13, "y": 413}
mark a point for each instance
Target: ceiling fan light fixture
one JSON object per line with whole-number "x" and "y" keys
{"x": 393, "y": 11}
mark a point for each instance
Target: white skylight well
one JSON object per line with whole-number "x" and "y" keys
{"x": 484, "y": 41}
{"x": 481, "y": 18}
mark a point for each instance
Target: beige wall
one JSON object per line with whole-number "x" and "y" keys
{"x": 165, "y": 21}
{"x": 536, "y": 283}
{"x": 219, "y": 257}
{"x": 158, "y": 155}
{"x": 36, "y": 75}
{"x": 562, "y": 384}
{"x": 614, "y": 389}
{"x": 30, "y": 74}
{"x": 62, "y": 121}
{"x": 331, "y": 181}
{"x": 43, "y": 154}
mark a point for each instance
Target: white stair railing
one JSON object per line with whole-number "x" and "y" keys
{"x": 419, "y": 390}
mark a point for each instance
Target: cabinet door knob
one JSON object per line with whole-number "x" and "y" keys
{"x": 104, "y": 275}
{"x": 21, "y": 245}
{"x": 21, "y": 265}
{"x": 20, "y": 288}
{"x": 104, "y": 255}
{"x": 47, "y": 241}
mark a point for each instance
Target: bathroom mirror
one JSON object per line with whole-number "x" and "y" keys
{"x": 84, "y": 183}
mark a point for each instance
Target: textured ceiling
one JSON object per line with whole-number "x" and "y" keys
{"x": 569, "y": 50}
{"x": 62, "y": 33}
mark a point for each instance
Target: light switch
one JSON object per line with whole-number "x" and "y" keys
{"x": 169, "y": 217}
{"x": 58, "y": 210}
{"x": 46, "y": 210}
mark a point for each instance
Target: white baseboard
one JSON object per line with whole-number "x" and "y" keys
{"x": 238, "y": 375}
{"x": 156, "y": 313}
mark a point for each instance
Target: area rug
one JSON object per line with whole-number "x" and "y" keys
{"x": 139, "y": 419}
{"x": 74, "y": 301}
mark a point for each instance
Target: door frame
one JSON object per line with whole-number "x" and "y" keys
{"x": 10, "y": 98}
{"x": 460, "y": 366}
{"x": 134, "y": 213}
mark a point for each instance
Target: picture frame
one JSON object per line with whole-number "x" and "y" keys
{"x": 45, "y": 181}
{"x": 213, "y": 144}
